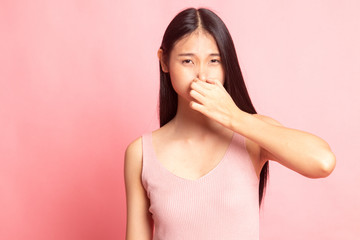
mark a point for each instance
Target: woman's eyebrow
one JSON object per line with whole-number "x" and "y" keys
{"x": 186, "y": 54}
{"x": 192, "y": 54}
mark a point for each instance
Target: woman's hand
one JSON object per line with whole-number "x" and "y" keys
{"x": 212, "y": 100}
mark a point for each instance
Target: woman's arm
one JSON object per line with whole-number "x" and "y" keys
{"x": 139, "y": 225}
{"x": 300, "y": 151}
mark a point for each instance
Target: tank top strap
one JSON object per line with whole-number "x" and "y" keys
{"x": 240, "y": 156}
{"x": 146, "y": 146}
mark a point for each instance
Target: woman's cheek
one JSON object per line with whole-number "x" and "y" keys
{"x": 181, "y": 80}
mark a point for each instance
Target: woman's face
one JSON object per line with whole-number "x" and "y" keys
{"x": 194, "y": 56}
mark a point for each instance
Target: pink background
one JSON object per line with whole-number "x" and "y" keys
{"x": 79, "y": 81}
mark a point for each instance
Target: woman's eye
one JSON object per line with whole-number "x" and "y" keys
{"x": 215, "y": 61}
{"x": 187, "y": 61}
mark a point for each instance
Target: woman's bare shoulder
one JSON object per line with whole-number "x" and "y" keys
{"x": 133, "y": 153}
{"x": 134, "y": 146}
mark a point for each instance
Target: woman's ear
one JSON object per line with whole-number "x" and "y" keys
{"x": 161, "y": 57}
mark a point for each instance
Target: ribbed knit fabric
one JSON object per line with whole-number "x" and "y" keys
{"x": 221, "y": 205}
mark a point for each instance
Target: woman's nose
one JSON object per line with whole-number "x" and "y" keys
{"x": 201, "y": 75}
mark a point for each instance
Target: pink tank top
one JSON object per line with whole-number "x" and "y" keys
{"x": 223, "y": 204}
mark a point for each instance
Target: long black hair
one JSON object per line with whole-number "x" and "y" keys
{"x": 184, "y": 23}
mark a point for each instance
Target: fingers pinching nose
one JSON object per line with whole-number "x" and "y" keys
{"x": 209, "y": 80}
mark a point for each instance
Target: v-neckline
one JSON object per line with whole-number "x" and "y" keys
{"x": 206, "y": 175}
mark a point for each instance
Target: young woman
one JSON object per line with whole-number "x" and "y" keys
{"x": 202, "y": 174}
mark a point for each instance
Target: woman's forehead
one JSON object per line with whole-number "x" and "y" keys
{"x": 196, "y": 42}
